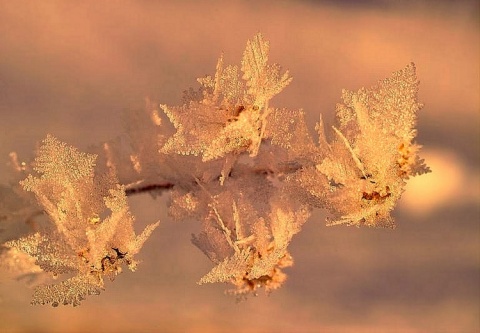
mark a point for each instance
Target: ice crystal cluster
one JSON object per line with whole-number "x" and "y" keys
{"x": 250, "y": 173}
{"x": 92, "y": 234}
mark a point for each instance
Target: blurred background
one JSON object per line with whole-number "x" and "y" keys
{"x": 72, "y": 68}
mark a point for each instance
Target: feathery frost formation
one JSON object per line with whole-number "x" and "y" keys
{"x": 249, "y": 172}
{"x": 92, "y": 234}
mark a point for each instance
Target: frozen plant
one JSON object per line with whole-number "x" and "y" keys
{"x": 250, "y": 173}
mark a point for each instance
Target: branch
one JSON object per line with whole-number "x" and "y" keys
{"x": 148, "y": 188}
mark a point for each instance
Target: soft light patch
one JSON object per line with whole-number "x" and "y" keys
{"x": 444, "y": 186}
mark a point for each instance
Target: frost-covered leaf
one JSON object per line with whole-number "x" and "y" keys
{"x": 246, "y": 232}
{"x": 71, "y": 291}
{"x": 50, "y": 253}
{"x": 288, "y": 129}
{"x": 92, "y": 234}
{"x": 263, "y": 80}
{"x": 230, "y": 117}
{"x": 372, "y": 154}
{"x": 229, "y": 269}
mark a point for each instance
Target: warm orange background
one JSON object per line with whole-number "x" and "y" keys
{"x": 70, "y": 68}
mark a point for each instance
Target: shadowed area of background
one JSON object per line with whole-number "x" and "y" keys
{"x": 72, "y": 69}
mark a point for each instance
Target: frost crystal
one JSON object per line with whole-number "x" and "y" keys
{"x": 249, "y": 172}
{"x": 92, "y": 235}
{"x": 273, "y": 172}
{"x": 247, "y": 226}
{"x": 229, "y": 114}
{"x": 365, "y": 166}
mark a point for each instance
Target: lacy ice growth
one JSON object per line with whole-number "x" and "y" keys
{"x": 365, "y": 166}
{"x": 249, "y": 172}
{"x": 92, "y": 234}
